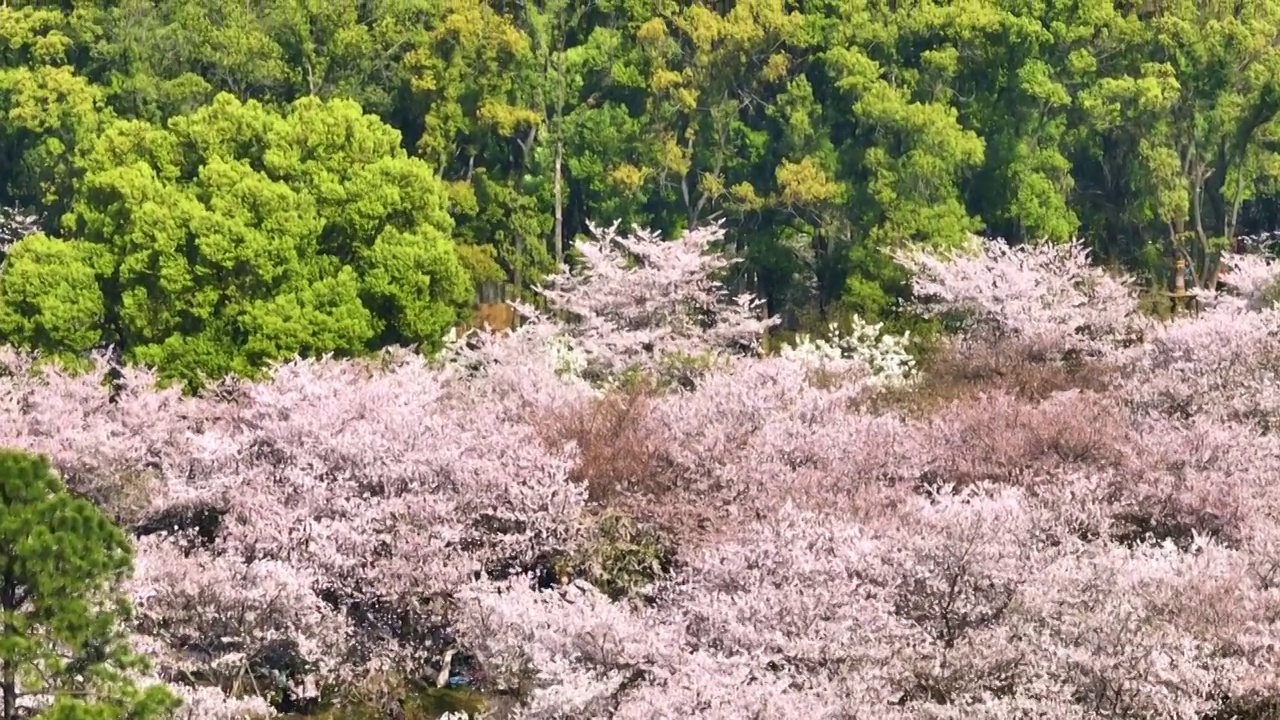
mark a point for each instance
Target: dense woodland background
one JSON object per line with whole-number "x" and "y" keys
{"x": 226, "y": 183}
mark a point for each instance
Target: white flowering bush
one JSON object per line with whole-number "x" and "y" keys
{"x": 565, "y": 356}
{"x": 210, "y": 703}
{"x": 542, "y": 343}
{"x": 15, "y": 225}
{"x": 884, "y": 356}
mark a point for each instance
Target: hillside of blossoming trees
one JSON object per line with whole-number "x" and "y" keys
{"x": 1068, "y": 511}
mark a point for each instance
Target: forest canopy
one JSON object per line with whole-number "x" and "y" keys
{"x": 339, "y": 176}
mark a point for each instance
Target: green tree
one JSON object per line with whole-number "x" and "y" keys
{"x": 61, "y": 565}
{"x": 47, "y": 105}
{"x": 556, "y": 81}
{"x": 1016, "y": 77}
{"x": 734, "y": 137}
{"x": 1183, "y": 118}
{"x": 161, "y": 58}
{"x": 238, "y": 236}
{"x": 49, "y": 297}
{"x": 477, "y": 81}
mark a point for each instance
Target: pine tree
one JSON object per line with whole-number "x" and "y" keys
{"x": 61, "y": 637}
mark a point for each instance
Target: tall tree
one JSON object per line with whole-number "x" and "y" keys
{"x": 238, "y": 236}
{"x": 479, "y": 127}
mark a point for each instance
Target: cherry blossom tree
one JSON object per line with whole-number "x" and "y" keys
{"x": 1048, "y": 297}
{"x": 638, "y": 299}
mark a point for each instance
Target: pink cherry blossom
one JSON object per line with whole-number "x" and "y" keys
{"x": 845, "y": 547}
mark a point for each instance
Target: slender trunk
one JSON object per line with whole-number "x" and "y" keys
{"x": 691, "y": 207}
{"x": 526, "y": 153}
{"x": 1199, "y": 270}
{"x": 746, "y": 280}
{"x": 517, "y": 264}
{"x": 559, "y": 158}
{"x": 10, "y": 693}
{"x": 559, "y": 196}
{"x": 1237, "y": 199}
{"x": 10, "y": 690}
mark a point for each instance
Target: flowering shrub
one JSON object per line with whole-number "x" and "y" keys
{"x": 15, "y": 224}
{"x": 882, "y": 356}
{"x": 1086, "y": 529}
{"x": 210, "y": 703}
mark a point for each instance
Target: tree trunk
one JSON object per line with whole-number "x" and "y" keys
{"x": 559, "y": 196}
{"x": 519, "y": 256}
{"x": 8, "y": 673}
{"x": 559, "y": 160}
{"x": 10, "y": 693}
